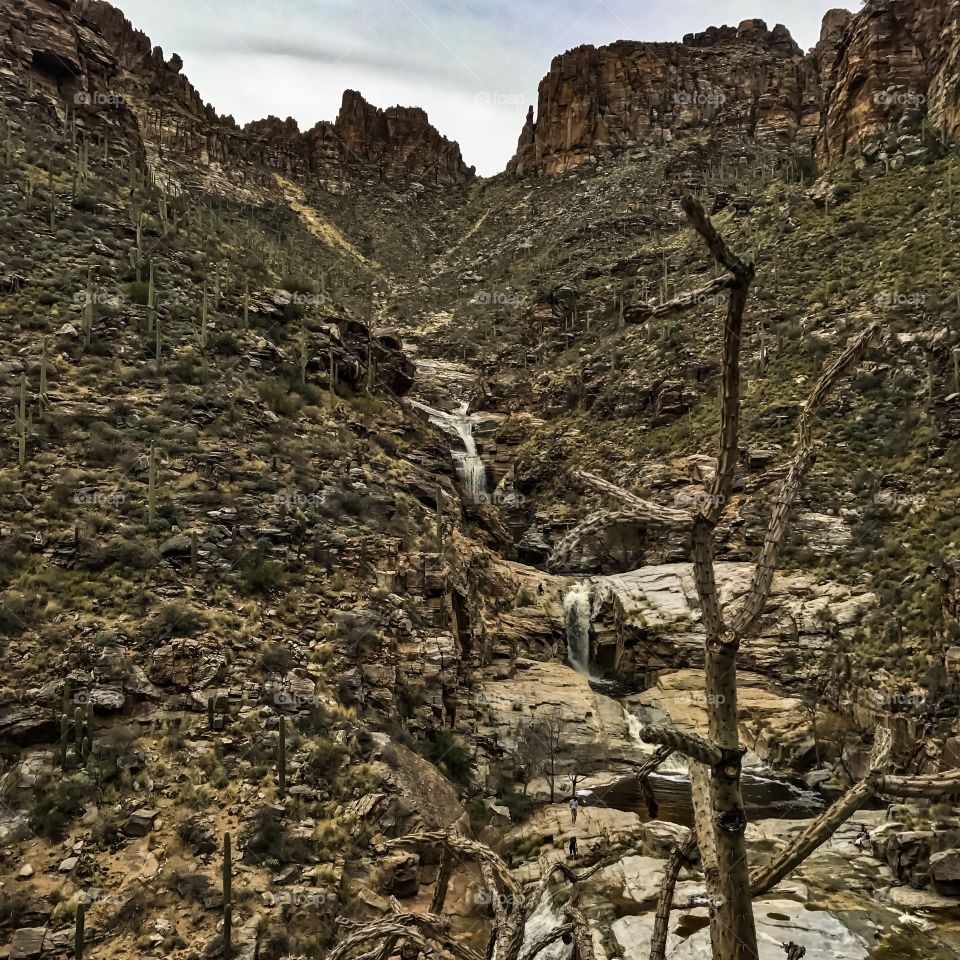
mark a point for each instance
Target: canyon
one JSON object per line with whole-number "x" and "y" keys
{"x": 302, "y": 422}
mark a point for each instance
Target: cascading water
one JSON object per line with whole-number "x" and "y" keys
{"x": 545, "y": 918}
{"x": 470, "y": 466}
{"x": 577, "y": 610}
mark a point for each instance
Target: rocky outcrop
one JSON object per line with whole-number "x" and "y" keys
{"x": 59, "y": 55}
{"x": 647, "y": 622}
{"x": 878, "y": 83}
{"x": 749, "y": 80}
{"x": 366, "y": 145}
{"x": 896, "y": 66}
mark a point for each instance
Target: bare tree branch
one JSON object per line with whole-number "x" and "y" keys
{"x": 689, "y": 744}
{"x": 651, "y": 310}
{"x": 759, "y": 593}
{"x": 679, "y": 856}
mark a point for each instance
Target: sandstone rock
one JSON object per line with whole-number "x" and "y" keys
{"x": 893, "y": 58}
{"x": 28, "y": 943}
{"x": 945, "y": 872}
{"x": 824, "y": 936}
{"x": 364, "y": 145}
{"x": 908, "y": 853}
{"x": 752, "y": 80}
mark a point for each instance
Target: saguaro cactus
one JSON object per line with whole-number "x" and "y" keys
{"x": 64, "y": 737}
{"x": 78, "y": 733}
{"x": 227, "y": 897}
{"x": 78, "y": 931}
{"x": 152, "y": 482}
{"x": 22, "y": 422}
{"x": 282, "y": 759}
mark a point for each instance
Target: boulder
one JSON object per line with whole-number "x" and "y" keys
{"x": 945, "y": 872}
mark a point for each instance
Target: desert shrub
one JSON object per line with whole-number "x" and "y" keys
{"x": 325, "y": 760}
{"x": 448, "y": 755}
{"x": 57, "y": 802}
{"x": 175, "y": 620}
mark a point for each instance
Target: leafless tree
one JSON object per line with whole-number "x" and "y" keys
{"x": 716, "y": 762}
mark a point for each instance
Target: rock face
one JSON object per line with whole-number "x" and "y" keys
{"x": 646, "y": 622}
{"x": 91, "y": 48}
{"x": 868, "y": 85}
{"x": 750, "y": 80}
{"x": 896, "y": 64}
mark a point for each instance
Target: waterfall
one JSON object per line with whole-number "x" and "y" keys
{"x": 546, "y": 918}
{"x": 675, "y": 763}
{"x": 578, "y": 613}
{"x": 470, "y": 466}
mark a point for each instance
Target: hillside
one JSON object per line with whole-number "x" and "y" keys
{"x": 297, "y": 428}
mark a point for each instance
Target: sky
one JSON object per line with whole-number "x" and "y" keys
{"x": 473, "y": 65}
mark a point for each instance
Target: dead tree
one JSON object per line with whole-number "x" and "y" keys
{"x": 716, "y": 762}
{"x": 679, "y": 856}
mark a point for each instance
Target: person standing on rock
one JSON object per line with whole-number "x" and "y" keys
{"x": 574, "y": 849}
{"x": 573, "y": 809}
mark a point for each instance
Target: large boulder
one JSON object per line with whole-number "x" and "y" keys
{"x": 945, "y": 872}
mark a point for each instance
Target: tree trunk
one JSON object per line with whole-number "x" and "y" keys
{"x": 661, "y": 927}
{"x": 736, "y": 932}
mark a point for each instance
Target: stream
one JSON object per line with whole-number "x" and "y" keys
{"x": 847, "y": 915}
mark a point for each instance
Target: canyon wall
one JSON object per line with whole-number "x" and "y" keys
{"x": 89, "y": 48}
{"x": 882, "y": 79}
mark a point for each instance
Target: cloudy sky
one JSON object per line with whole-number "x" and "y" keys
{"x": 473, "y": 65}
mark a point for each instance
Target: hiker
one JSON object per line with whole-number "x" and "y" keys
{"x": 573, "y": 809}
{"x": 574, "y": 849}
{"x": 863, "y": 837}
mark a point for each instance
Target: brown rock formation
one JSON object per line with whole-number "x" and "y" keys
{"x": 364, "y": 145}
{"x": 871, "y": 83}
{"x": 750, "y": 79}
{"x": 898, "y": 61}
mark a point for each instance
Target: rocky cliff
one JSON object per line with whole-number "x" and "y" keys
{"x": 89, "y": 49}
{"x": 896, "y": 67}
{"x": 887, "y": 73}
{"x": 749, "y": 79}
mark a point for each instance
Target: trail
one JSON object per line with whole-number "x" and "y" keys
{"x": 322, "y": 229}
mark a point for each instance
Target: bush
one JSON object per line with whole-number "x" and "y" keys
{"x": 175, "y": 620}
{"x": 447, "y": 754}
{"x": 57, "y": 802}
{"x": 325, "y": 760}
